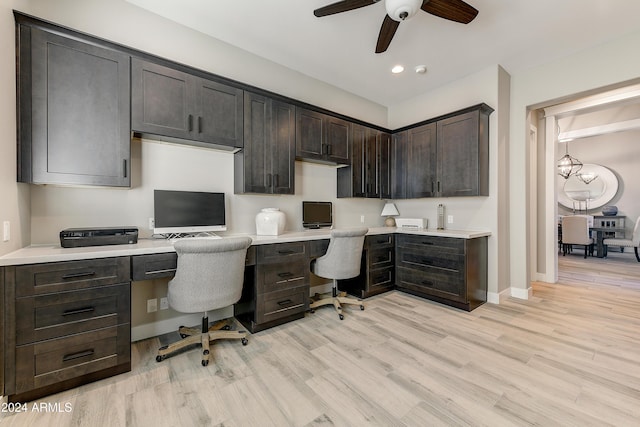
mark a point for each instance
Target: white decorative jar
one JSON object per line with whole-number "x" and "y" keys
{"x": 270, "y": 222}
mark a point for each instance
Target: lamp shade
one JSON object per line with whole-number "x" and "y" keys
{"x": 389, "y": 210}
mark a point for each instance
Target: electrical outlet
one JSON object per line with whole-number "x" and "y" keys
{"x": 164, "y": 303}
{"x": 362, "y": 219}
{"x": 449, "y": 219}
{"x": 152, "y": 223}
{"x": 6, "y": 231}
{"x": 152, "y": 305}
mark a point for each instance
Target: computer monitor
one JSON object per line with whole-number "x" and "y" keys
{"x": 317, "y": 214}
{"x": 188, "y": 212}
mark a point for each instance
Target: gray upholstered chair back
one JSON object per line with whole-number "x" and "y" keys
{"x": 575, "y": 230}
{"x": 210, "y": 274}
{"x": 636, "y": 233}
{"x": 342, "y": 260}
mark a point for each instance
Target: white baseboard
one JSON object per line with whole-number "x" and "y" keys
{"x": 522, "y": 293}
{"x": 498, "y": 297}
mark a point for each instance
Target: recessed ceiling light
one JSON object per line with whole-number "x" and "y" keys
{"x": 397, "y": 69}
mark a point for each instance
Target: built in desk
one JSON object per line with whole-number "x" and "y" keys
{"x": 66, "y": 311}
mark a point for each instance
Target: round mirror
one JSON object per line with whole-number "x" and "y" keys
{"x": 594, "y": 184}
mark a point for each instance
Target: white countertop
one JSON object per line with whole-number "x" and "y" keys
{"x": 54, "y": 253}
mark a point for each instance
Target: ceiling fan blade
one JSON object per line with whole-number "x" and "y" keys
{"x": 453, "y": 10}
{"x": 387, "y": 31}
{"x": 342, "y": 6}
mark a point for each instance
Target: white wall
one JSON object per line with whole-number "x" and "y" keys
{"x": 583, "y": 73}
{"x": 468, "y": 212}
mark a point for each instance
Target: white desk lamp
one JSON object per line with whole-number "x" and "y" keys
{"x": 389, "y": 211}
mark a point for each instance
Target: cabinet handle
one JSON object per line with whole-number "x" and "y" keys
{"x": 286, "y": 251}
{"x": 77, "y": 275}
{"x": 190, "y": 122}
{"x": 268, "y": 180}
{"x": 124, "y": 168}
{"x": 285, "y": 274}
{"x": 426, "y": 242}
{"x": 328, "y": 149}
{"x": 431, "y": 187}
{"x": 78, "y": 355}
{"x": 78, "y": 311}
{"x": 438, "y": 186}
{"x": 199, "y": 124}
{"x": 275, "y": 180}
{"x": 284, "y": 302}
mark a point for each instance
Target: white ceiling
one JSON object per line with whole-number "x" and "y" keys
{"x": 339, "y": 49}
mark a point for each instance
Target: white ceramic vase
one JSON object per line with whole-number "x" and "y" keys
{"x": 270, "y": 222}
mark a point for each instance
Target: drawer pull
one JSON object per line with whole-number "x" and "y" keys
{"x": 285, "y": 274}
{"x": 166, "y": 270}
{"x": 286, "y": 251}
{"x": 285, "y": 302}
{"x": 78, "y": 311}
{"x": 427, "y": 243}
{"x": 77, "y": 355}
{"x": 77, "y": 275}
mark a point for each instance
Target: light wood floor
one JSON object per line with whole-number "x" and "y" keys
{"x": 570, "y": 356}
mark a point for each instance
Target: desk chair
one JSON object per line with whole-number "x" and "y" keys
{"x": 209, "y": 276}
{"x": 626, "y": 243}
{"x": 342, "y": 261}
{"x": 575, "y": 231}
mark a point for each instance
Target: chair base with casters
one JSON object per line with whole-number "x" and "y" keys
{"x": 207, "y": 334}
{"x": 334, "y": 298}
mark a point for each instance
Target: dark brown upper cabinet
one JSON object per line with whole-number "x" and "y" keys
{"x": 266, "y": 163}
{"x": 167, "y": 103}
{"x": 448, "y": 157}
{"x": 369, "y": 172}
{"x": 322, "y": 138}
{"x": 73, "y": 111}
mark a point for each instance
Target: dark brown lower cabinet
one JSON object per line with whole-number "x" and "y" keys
{"x": 276, "y": 288}
{"x": 65, "y": 324}
{"x": 377, "y": 272}
{"x": 448, "y": 270}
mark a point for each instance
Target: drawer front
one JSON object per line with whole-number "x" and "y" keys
{"x": 381, "y": 278}
{"x": 281, "y": 252}
{"x": 380, "y": 258}
{"x": 435, "y": 282}
{"x": 277, "y": 305}
{"x": 54, "y": 361}
{"x": 438, "y": 244}
{"x": 429, "y": 258}
{"x": 276, "y": 277}
{"x": 55, "y": 315}
{"x": 55, "y": 277}
{"x": 378, "y": 240}
{"x": 147, "y": 267}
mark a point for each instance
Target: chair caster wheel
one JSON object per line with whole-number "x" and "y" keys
{"x": 244, "y": 341}
{"x": 205, "y": 362}
{"x": 362, "y": 307}
{"x": 205, "y": 352}
{"x": 341, "y": 316}
{"x": 226, "y": 328}
{"x": 183, "y": 336}
{"x": 159, "y": 358}
{"x": 312, "y": 311}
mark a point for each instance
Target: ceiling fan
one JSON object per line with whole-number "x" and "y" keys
{"x": 400, "y": 10}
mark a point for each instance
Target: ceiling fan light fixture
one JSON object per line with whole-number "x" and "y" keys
{"x": 400, "y": 10}
{"x": 420, "y": 69}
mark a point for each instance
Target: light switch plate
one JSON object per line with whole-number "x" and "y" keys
{"x": 6, "y": 231}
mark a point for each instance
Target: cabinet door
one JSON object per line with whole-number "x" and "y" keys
{"x": 283, "y": 147}
{"x": 399, "y": 165}
{"x": 77, "y": 121}
{"x": 338, "y": 140}
{"x": 458, "y": 155}
{"x": 161, "y": 100}
{"x": 309, "y": 134}
{"x": 385, "y": 160}
{"x": 421, "y": 161}
{"x": 218, "y": 114}
{"x": 357, "y": 175}
{"x": 371, "y": 171}
{"x": 254, "y": 165}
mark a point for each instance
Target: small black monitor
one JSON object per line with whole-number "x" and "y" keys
{"x": 188, "y": 211}
{"x": 317, "y": 214}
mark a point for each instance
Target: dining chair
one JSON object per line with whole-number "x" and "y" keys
{"x": 575, "y": 231}
{"x": 634, "y": 242}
